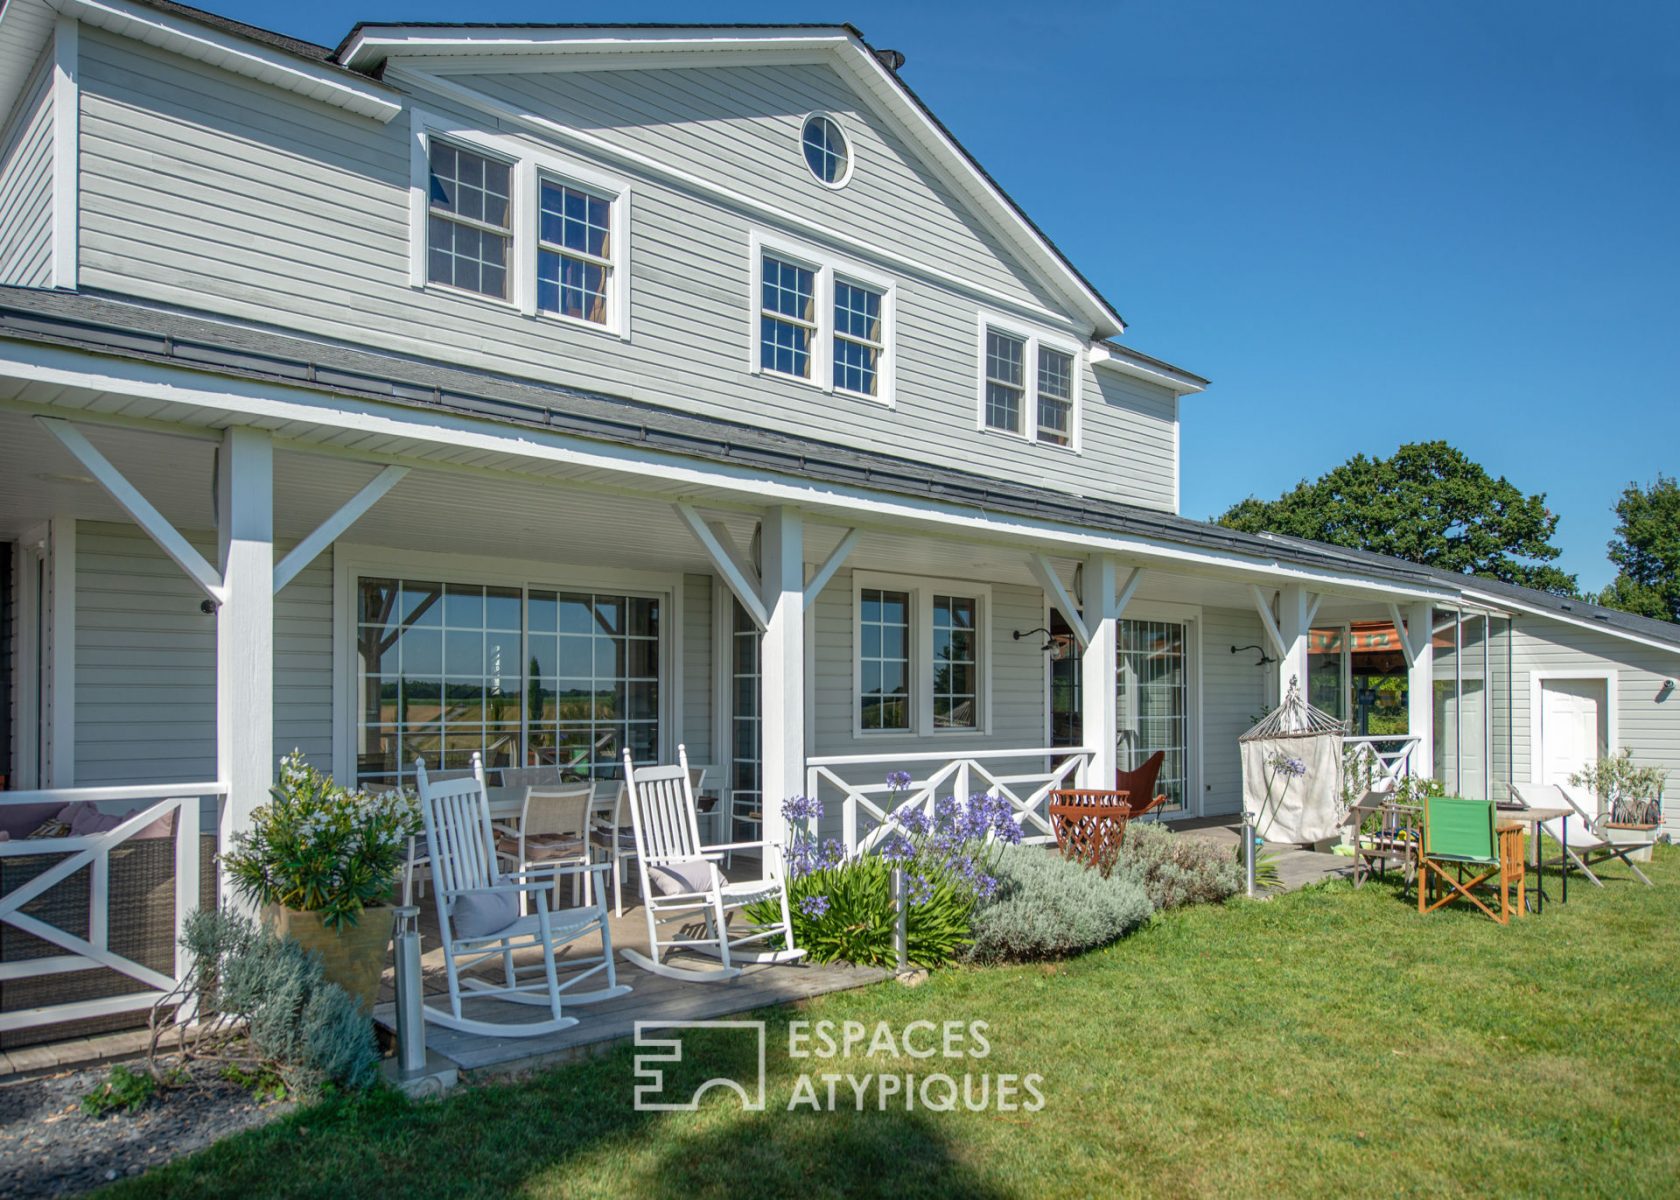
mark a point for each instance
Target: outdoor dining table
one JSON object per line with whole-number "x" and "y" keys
{"x": 1535, "y": 818}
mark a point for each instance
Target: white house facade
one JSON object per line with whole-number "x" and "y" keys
{"x": 552, "y": 391}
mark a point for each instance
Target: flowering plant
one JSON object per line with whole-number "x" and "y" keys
{"x": 320, "y": 847}
{"x": 842, "y": 906}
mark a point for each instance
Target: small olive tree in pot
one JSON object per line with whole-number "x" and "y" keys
{"x": 1629, "y": 799}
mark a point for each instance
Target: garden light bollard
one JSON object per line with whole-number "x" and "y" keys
{"x": 1248, "y": 854}
{"x": 411, "y": 1016}
{"x": 901, "y": 919}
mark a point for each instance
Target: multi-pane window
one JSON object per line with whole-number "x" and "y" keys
{"x": 884, "y": 659}
{"x": 746, "y": 730}
{"x": 1154, "y": 701}
{"x": 440, "y": 677}
{"x": 956, "y": 695}
{"x": 787, "y": 317}
{"x": 826, "y": 152}
{"x": 574, "y": 252}
{"x": 858, "y": 337}
{"x": 469, "y": 225}
{"x": 535, "y": 677}
{"x": 1055, "y": 397}
{"x": 1006, "y": 388}
{"x": 1028, "y": 388}
{"x": 594, "y": 686}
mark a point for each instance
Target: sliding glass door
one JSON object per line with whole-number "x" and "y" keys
{"x": 1154, "y": 703}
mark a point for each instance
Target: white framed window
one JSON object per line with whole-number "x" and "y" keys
{"x": 919, "y": 655}
{"x": 828, "y": 152}
{"x": 821, "y": 320}
{"x": 493, "y": 218}
{"x": 1029, "y": 383}
{"x": 469, "y": 219}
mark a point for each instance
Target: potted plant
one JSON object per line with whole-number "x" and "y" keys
{"x": 1629, "y": 800}
{"x": 316, "y": 860}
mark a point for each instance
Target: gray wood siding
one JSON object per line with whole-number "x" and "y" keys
{"x": 698, "y": 680}
{"x": 26, "y": 186}
{"x": 146, "y": 663}
{"x": 1647, "y": 725}
{"x": 206, "y": 191}
{"x": 1233, "y": 693}
{"x": 739, "y": 127}
{"x": 1016, "y": 670}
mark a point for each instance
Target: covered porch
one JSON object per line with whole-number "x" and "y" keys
{"x": 198, "y": 588}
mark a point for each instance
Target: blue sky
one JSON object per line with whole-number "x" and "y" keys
{"x": 1366, "y": 223}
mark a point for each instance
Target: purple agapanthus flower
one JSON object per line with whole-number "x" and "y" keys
{"x": 814, "y": 906}
{"x": 898, "y": 781}
{"x": 920, "y": 889}
{"x": 802, "y": 808}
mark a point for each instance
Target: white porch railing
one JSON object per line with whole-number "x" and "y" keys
{"x": 93, "y": 853}
{"x": 997, "y": 773}
{"x": 1381, "y": 762}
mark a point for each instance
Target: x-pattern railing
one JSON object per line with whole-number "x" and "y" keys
{"x": 868, "y": 813}
{"x": 1379, "y": 763}
{"x": 93, "y": 853}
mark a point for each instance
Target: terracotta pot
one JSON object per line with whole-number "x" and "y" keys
{"x": 353, "y": 956}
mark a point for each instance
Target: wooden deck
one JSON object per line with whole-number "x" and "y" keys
{"x": 651, "y": 998}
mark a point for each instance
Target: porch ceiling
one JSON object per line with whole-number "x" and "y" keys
{"x": 501, "y": 506}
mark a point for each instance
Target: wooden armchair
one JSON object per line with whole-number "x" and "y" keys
{"x": 1395, "y": 836}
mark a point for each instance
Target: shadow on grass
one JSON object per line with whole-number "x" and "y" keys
{"x": 576, "y": 1131}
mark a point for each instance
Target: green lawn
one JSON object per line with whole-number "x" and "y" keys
{"x": 1328, "y": 1042}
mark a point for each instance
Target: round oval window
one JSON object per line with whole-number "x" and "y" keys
{"x": 826, "y": 151}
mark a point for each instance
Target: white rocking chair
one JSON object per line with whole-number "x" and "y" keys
{"x": 480, "y": 916}
{"x": 680, "y": 880}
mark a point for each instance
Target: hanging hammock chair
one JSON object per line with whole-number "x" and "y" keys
{"x": 1292, "y": 772}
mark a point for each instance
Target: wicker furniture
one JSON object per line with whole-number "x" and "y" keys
{"x": 141, "y": 913}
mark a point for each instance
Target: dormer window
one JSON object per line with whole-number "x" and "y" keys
{"x": 827, "y": 152}
{"x": 1029, "y": 384}
{"x": 469, "y": 226}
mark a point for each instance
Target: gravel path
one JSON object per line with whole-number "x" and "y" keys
{"x": 48, "y": 1148}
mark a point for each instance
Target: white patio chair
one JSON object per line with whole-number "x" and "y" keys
{"x": 1587, "y": 845}
{"x": 479, "y": 917}
{"x": 681, "y": 880}
{"x": 417, "y": 866}
{"x": 616, "y": 837}
{"x": 553, "y": 829}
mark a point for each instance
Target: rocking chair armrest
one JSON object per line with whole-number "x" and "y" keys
{"x": 549, "y": 872}
{"x": 510, "y": 886}
{"x": 711, "y": 848}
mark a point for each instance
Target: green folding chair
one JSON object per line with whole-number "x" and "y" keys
{"x": 1459, "y": 833}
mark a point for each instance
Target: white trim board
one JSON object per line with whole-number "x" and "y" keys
{"x": 66, "y": 158}
{"x": 744, "y": 485}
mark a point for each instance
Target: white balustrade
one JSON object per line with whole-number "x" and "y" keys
{"x": 1381, "y": 762}
{"x": 1024, "y": 778}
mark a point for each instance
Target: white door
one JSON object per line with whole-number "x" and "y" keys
{"x": 1573, "y": 726}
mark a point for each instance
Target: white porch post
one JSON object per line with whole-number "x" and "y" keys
{"x": 1295, "y": 612}
{"x": 1420, "y": 686}
{"x": 782, "y": 670}
{"x": 245, "y": 625}
{"x": 1098, "y": 664}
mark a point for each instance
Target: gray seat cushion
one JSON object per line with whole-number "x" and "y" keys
{"x": 680, "y": 878}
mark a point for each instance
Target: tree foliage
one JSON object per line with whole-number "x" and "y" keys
{"x": 1646, "y": 551}
{"x": 1427, "y": 504}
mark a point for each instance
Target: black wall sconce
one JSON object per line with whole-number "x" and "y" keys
{"x": 1055, "y": 645}
{"x": 1264, "y": 657}
{"x": 1665, "y": 691}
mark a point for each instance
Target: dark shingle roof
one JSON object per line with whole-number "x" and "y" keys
{"x": 129, "y": 329}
